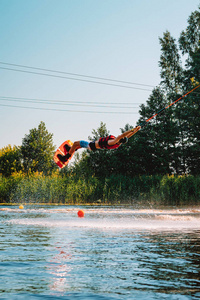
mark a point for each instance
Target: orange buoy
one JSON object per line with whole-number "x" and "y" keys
{"x": 80, "y": 213}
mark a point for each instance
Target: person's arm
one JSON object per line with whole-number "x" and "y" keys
{"x": 127, "y": 134}
{"x": 133, "y": 131}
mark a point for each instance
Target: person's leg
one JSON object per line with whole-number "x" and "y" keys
{"x": 76, "y": 145}
{"x": 70, "y": 150}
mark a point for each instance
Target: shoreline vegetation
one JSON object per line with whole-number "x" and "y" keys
{"x": 56, "y": 189}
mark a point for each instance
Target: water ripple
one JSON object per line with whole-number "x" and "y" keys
{"x": 110, "y": 254}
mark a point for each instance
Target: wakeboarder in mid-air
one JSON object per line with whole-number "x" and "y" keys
{"x": 66, "y": 151}
{"x": 109, "y": 142}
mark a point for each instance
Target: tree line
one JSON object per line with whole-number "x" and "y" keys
{"x": 168, "y": 145}
{"x": 34, "y": 155}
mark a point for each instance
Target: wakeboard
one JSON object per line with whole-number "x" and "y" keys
{"x": 63, "y": 151}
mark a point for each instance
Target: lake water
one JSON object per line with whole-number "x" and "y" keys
{"x": 111, "y": 253}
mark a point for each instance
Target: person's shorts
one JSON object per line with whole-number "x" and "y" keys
{"x": 84, "y": 144}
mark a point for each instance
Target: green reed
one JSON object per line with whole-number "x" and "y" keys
{"x": 116, "y": 189}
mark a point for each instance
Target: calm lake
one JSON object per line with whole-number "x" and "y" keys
{"x": 111, "y": 253}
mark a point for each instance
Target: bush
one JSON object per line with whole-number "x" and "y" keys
{"x": 180, "y": 190}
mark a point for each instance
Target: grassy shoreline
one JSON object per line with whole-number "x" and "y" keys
{"x": 193, "y": 208}
{"x": 149, "y": 191}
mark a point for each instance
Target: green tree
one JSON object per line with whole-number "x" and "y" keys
{"x": 158, "y": 138}
{"x": 172, "y": 75}
{"x": 189, "y": 44}
{"x": 121, "y": 161}
{"x": 100, "y": 132}
{"x": 170, "y": 63}
{"x": 10, "y": 160}
{"x": 99, "y": 160}
{"x": 170, "y": 143}
{"x": 37, "y": 150}
{"x": 189, "y": 38}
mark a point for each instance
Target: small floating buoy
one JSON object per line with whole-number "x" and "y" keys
{"x": 80, "y": 213}
{"x": 21, "y": 206}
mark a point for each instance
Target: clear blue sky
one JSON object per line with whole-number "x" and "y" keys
{"x": 115, "y": 39}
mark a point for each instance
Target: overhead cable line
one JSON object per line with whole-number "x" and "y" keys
{"x": 68, "y": 110}
{"x": 76, "y": 74}
{"x": 76, "y": 79}
{"x": 70, "y": 103}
